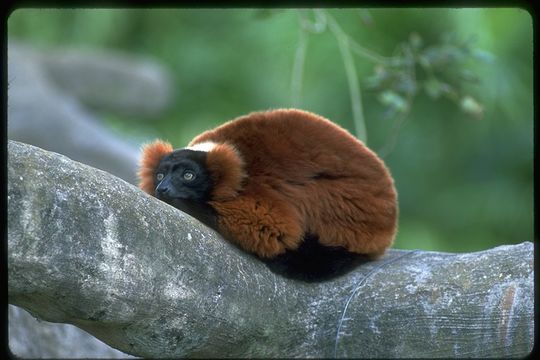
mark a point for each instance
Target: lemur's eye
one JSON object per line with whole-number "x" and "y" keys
{"x": 159, "y": 176}
{"x": 189, "y": 175}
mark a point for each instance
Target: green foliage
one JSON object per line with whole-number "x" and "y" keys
{"x": 439, "y": 69}
{"x": 445, "y": 95}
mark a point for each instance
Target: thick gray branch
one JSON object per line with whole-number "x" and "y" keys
{"x": 88, "y": 249}
{"x": 48, "y": 90}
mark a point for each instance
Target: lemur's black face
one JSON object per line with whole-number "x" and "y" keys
{"x": 182, "y": 175}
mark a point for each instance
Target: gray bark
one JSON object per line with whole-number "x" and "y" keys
{"x": 88, "y": 249}
{"x": 38, "y": 339}
{"x": 111, "y": 81}
{"x": 49, "y": 93}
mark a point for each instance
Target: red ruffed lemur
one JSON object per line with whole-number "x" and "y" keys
{"x": 300, "y": 192}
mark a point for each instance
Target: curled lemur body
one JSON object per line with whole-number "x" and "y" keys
{"x": 293, "y": 188}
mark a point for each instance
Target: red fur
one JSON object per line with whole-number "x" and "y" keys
{"x": 292, "y": 172}
{"x": 227, "y": 169}
{"x": 151, "y": 156}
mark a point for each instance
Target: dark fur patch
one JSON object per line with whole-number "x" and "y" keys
{"x": 313, "y": 262}
{"x": 198, "y": 209}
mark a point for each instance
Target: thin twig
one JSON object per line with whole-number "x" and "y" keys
{"x": 316, "y": 27}
{"x": 400, "y": 120}
{"x": 352, "y": 79}
{"x": 392, "y": 138}
{"x": 298, "y": 65}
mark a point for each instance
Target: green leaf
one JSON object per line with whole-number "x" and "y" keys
{"x": 378, "y": 79}
{"x": 468, "y": 75}
{"x": 470, "y": 106}
{"x": 424, "y": 62}
{"x": 394, "y": 100}
{"x": 406, "y": 84}
{"x": 433, "y": 87}
{"x": 416, "y": 40}
{"x": 484, "y": 56}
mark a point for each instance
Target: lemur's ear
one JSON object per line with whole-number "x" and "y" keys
{"x": 152, "y": 154}
{"x": 226, "y": 168}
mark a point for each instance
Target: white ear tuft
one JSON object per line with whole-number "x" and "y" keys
{"x": 204, "y": 146}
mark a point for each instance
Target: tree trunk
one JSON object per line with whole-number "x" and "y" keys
{"x": 89, "y": 249}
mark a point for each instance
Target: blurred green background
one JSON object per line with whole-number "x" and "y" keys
{"x": 464, "y": 173}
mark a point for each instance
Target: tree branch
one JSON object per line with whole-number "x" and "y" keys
{"x": 87, "y": 248}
